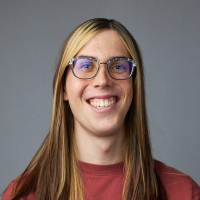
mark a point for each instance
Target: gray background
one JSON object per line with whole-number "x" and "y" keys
{"x": 31, "y": 34}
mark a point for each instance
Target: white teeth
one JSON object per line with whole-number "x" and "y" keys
{"x": 102, "y": 103}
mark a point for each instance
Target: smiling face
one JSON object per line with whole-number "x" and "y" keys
{"x": 100, "y": 104}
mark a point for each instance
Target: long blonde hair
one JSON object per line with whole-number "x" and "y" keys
{"x": 54, "y": 172}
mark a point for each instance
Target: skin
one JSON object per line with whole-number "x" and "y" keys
{"x": 99, "y": 133}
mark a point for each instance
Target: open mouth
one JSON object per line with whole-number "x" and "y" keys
{"x": 102, "y": 103}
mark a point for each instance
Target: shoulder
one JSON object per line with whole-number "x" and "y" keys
{"x": 7, "y": 194}
{"x": 8, "y": 191}
{"x": 177, "y": 184}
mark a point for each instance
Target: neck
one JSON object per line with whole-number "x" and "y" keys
{"x": 103, "y": 150}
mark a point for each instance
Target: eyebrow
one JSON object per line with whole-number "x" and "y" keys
{"x": 87, "y": 56}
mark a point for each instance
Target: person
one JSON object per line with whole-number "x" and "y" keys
{"x": 98, "y": 146}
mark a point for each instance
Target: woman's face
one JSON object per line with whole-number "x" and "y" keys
{"x": 115, "y": 96}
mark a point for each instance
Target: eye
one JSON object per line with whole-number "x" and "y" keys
{"x": 119, "y": 67}
{"x": 86, "y": 66}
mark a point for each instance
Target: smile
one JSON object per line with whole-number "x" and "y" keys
{"x": 102, "y": 103}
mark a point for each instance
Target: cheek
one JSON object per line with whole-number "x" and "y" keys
{"x": 74, "y": 87}
{"x": 129, "y": 95}
{"x": 128, "y": 89}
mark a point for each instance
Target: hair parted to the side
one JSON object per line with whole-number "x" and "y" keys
{"x": 54, "y": 172}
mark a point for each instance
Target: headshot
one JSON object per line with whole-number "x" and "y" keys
{"x": 98, "y": 146}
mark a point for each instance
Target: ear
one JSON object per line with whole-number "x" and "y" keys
{"x": 65, "y": 95}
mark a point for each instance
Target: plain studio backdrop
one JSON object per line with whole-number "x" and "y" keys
{"x": 31, "y": 36}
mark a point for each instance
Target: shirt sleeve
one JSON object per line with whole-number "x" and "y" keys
{"x": 8, "y": 192}
{"x": 195, "y": 191}
{"x": 178, "y": 186}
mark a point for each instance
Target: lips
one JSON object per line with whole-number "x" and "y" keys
{"x": 102, "y": 102}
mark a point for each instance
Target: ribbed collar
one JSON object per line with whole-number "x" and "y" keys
{"x": 93, "y": 169}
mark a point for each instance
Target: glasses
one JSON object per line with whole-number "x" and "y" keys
{"x": 119, "y": 68}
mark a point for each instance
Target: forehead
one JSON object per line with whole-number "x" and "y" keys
{"x": 105, "y": 44}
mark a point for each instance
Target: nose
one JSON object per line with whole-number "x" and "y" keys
{"x": 102, "y": 79}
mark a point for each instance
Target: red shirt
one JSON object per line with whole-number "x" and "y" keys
{"x": 105, "y": 182}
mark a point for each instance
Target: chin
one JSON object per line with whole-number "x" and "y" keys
{"x": 107, "y": 131}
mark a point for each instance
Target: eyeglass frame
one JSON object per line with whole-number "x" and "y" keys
{"x": 105, "y": 63}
